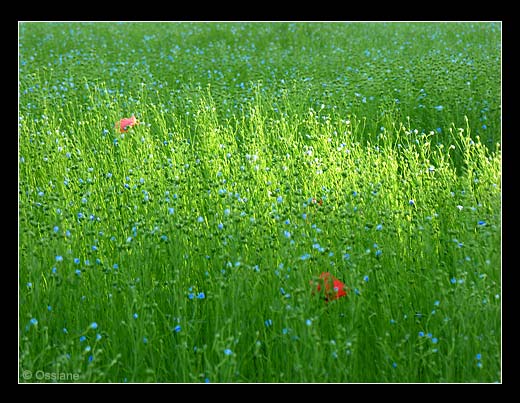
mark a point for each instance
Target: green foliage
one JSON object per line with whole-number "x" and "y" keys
{"x": 266, "y": 154}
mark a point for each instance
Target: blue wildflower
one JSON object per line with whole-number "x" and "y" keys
{"x": 33, "y": 321}
{"x": 93, "y": 325}
{"x": 135, "y": 315}
{"x": 177, "y": 329}
{"x": 227, "y": 351}
{"x": 59, "y": 258}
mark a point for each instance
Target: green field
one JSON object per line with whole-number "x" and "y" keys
{"x": 186, "y": 248}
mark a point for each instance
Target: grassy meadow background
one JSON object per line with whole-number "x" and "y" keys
{"x": 183, "y": 250}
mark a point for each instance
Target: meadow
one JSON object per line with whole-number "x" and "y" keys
{"x": 187, "y": 248}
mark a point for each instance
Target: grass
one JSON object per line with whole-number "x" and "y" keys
{"x": 183, "y": 250}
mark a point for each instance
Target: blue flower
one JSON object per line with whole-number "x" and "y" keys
{"x": 308, "y": 322}
{"x": 200, "y": 219}
{"x": 88, "y": 348}
{"x": 479, "y": 364}
{"x": 177, "y": 329}
{"x": 379, "y": 227}
{"x": 378, "y": 252}
{"x": 268, "y": 322}
{"x": 170, "y": 210}
{"x": 435, "y": 340}
{"x": 93, "y": 325}
{"x": 482, "y": 223}
{"x": 78, "y": 272}
{"x": 59, "y": 258}
{"x": 453, "y": 280}
{"x": 135, "y": 315}
{"x": 220, "y": 226}
{"x": 56, "y": 228}
{"x": 279, "y": 199}
{"x": 76, "y": 260}
{"x": 201, "y": 295}
{"x": 421, "y": 334}
{"x": 227, "y": 351}
{"x": 437, "y": 303}
{"x": 394, "y": 365}
{"x": 411, "y": 202}
{"x": 82, "y": 339}
{"x": 365, "y": 278}
{"x": 98, "y": 337}
{"x": 145, "y": 340}
{"x": 438, "y": 108}
{"x": 305, "y": 256}
{"x": 478, "y": 356}
{"x": 33, "y": 321}
{"x": 287, "y": 234}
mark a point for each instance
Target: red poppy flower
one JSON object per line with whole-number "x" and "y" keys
{"x": 331, "y": 286}
{"x": 320, "y": 201}
{"x": 126, "y": 123}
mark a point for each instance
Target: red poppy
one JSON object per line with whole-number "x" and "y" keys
{"x": 331, "y": 286}
{"x": 320, "y": 201}
{"x": 126, "y": 123}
